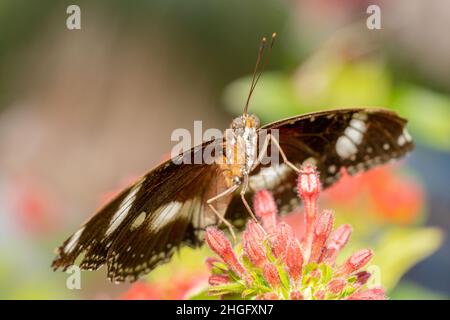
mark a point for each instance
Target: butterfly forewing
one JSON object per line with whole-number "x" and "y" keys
{"x": 353, "y": 139}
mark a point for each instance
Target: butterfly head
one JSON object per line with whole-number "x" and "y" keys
{"x": 245, "y": 122}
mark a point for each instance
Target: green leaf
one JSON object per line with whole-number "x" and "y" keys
{"x": 310, "y": 267}
{"x": 400, "y": 248}
{"x": 428, "y": 113}
{"x": 247, "y": 292}
{"x": 412, "y": 291}
{"x": 201, "y": 295}
{"x": 326, "y": 272}
{"x": 229, "y": 288}
{"x": 284, "y": 277}
{"x": 274, "y": 97}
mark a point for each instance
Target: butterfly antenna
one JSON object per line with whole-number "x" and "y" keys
{"x": 257, "y": 71}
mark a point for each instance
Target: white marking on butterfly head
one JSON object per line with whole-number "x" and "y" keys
{"x": 242, "y": 145}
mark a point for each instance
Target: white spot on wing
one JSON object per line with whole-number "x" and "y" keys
{"x": 269, "y": 177}
{"x": 407, "y": 135}
{"x": 138, "y": 221}
{"x": 401, "y": 140}
{"x": 360, "y": 116}
{"x": 358, "y": 124}
{"x": 73, "y": 241}
{"x": 124, "y": 208}
{"x": 345, "y": 148}
{"x": 354, "y": 135}
{"x": 332, "y": 168}
{"x": 404, "y": 138}
{"x": 165, "y": 214}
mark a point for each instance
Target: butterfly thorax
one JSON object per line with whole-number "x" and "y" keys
{"x": 241, "y": 146}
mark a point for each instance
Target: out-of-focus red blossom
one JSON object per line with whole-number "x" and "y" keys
{"x": 370, "y": 294}
{"x": 282, "y": 265}
{"x": 268, "y": 296}
{"x": 34, "y": 206}
{"x": 177, "y": 288}
{"x": 142, "y": 291}
{"x": 296, "y": 295}
{"x": 388, "y": 196}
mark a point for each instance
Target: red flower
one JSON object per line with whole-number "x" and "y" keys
{"x": 141, "y": 291}
{"x": 388, "y": 196}
{"x": 279, "y": 267}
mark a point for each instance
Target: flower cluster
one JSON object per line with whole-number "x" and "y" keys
{"x": 270, "y": 262}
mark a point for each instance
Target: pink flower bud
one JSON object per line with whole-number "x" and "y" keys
{"x": 280, "y": 239}
{"x": 210, "y": 262}
{"x": 270, "y": 273}
{"x": 337, "y": 241}
{"x": 296, "y": 295}
{"x": 319, "y": 295}
{"x": 355, "y": 262}
{"x": 253, "y": 245}
{"x": 308, "y": 182}
{"x": 248, "y": 279}
{"x": 335, "y": 286}
{"x": 294, "y": 259}
{"x": 266, "y": 209}
{"x": 270, "y": 296}
{"x": 215, "y": 279}
{"x": 323, "y": 227}
{"x": 362, "y": 277}
{"x": 369, "y": 294}
{"x": 308, "y": 187}
{"x": 255, "y": 231}
{"x": 219, "y": 243}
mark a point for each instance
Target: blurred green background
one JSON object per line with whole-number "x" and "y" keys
{"x": 84, "y": 111}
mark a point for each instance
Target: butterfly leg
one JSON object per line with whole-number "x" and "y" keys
{"x": 217, "y": 213}
{"x": 283, "y": 155}
{"x": 247, "y": 206}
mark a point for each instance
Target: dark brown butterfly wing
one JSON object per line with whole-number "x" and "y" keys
{"x": 148, "y": 221}
{"x": 354, "y": 139}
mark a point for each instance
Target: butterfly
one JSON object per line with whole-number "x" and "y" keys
{"x": 172, "y": 205}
